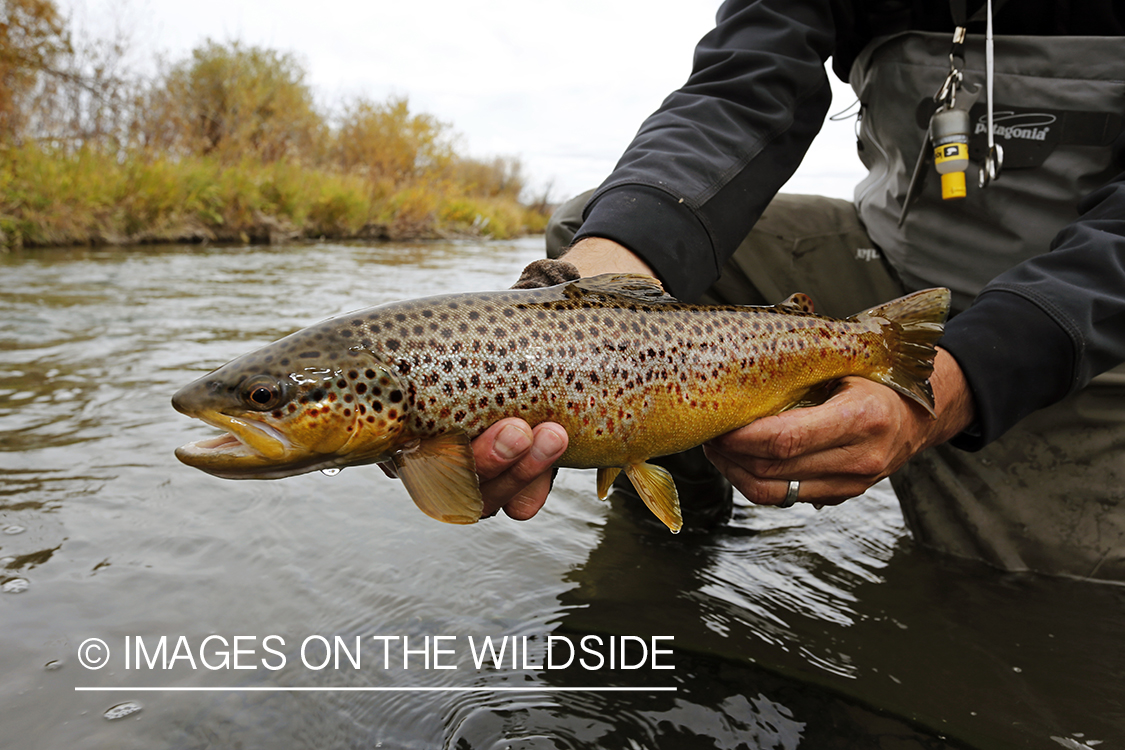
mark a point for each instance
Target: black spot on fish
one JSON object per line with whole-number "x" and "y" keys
{"x": 396, "y": 396}
{"x": 392, "y": 344}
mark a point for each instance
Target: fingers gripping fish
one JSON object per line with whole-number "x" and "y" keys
{"x": 629, "y": 371}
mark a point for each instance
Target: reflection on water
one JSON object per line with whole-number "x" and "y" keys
{"x": 792, "y": 629}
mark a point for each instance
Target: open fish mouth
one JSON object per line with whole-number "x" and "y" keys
{"x": 246, "y": 443}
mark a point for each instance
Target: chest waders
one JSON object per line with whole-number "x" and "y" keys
{"x": 1050, "y": 494}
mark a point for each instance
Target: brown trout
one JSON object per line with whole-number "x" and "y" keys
{"x": 629, "y": 371}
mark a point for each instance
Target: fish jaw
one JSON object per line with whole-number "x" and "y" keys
{"x": 250, "y": 449}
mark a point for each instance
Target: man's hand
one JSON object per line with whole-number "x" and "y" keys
{"x": 838, "y": 449}
{"x": 514, "y": 463}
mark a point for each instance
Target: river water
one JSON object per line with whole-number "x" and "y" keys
{"x": 788, "y": 629}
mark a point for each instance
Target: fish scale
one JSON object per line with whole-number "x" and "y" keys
{"x": 630, "y": 372}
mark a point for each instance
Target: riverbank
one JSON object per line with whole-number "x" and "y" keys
{"x": 90, "y": 197}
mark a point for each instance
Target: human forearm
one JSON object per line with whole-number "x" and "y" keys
{"x": 595, "y": 255}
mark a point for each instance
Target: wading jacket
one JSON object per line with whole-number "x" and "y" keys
{"x": 704, "y": 166}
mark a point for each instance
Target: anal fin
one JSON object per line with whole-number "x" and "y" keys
{"x": 655, "y": 486}
{"x": 606, "y": 475}
{"x": 440, "y": 475}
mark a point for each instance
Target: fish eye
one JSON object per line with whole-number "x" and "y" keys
{"x": 261, "y": 393}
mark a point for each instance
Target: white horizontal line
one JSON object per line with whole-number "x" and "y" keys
{"x": 274, "y": 689}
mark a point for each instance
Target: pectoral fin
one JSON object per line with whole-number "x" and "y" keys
{"x": 816, "y": 396}
{"x": 606, "y": 476}
{"x": 655, "y": 486}
{"x": 440, "y": 475}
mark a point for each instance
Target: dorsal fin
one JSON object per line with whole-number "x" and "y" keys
{"x": 799, "y": 301}
{"x": 627, "y": 284}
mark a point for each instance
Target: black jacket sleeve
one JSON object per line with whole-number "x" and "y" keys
{"x": 1045, "y": 328}
{"x": 704, "y": 166}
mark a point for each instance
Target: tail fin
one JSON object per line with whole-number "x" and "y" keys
{"x": 912, "y": 325}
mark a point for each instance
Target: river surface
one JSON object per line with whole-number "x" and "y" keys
{"x": 788, "y": 629}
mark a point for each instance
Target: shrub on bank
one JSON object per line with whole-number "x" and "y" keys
{"x": 224, "y": 145}
{"x": 55, "y": 196}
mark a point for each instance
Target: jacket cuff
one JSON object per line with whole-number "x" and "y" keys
{"x": 660, "y": 229}
{"x": 1016, "y": 360}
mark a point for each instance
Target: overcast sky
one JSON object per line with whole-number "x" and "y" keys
{"x": 561, "y": 85}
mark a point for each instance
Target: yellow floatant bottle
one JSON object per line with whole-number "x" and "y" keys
{"x": 949, "y": 135}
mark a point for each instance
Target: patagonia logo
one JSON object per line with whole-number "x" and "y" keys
{"x": 1032, "y": 126}
{"x": 1029, "y": 136}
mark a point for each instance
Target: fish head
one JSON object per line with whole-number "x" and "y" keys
{"x": 286, "y": 415}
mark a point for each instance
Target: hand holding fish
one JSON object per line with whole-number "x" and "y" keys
{"x": 839, "y": 449}
{"x": 514, "y": 464}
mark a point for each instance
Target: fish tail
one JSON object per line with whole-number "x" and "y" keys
{"x": 914, "y": 324}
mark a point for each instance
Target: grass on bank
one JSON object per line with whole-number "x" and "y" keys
{"x": 87, "y": 196}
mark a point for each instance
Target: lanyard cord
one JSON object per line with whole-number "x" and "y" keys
{"x": 990, "y": 169}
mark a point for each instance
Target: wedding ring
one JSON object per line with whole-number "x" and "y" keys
{"x": 791, "y": 496}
